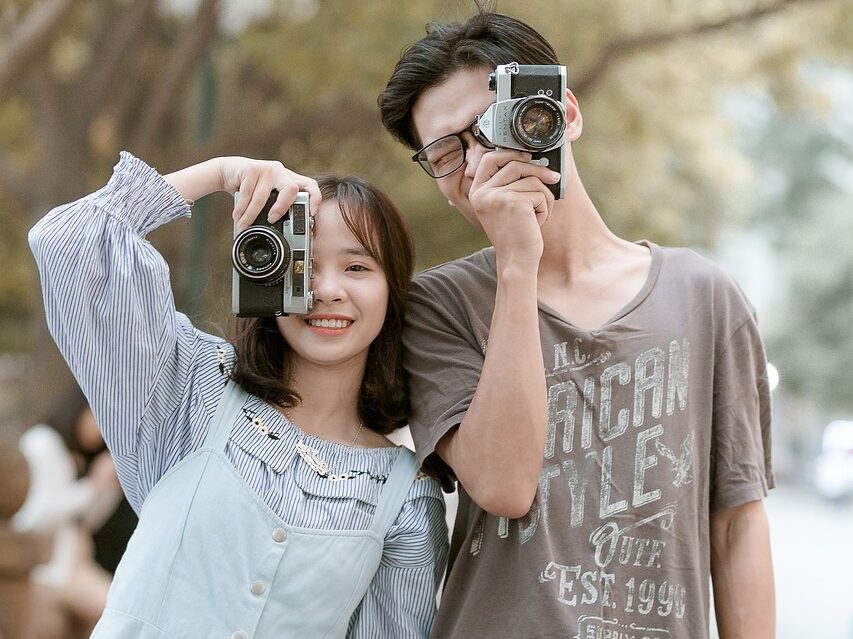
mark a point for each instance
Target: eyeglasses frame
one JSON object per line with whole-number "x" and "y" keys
{"x": 473, "y": 129}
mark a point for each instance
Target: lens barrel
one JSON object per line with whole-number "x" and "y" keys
{"x": 261, "y": 254}
{"x": 538, "y": 122}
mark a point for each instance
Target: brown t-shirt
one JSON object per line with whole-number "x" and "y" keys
{"x": 656, "y": 419}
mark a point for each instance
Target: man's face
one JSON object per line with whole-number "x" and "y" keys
{"x": 449, "y": 108}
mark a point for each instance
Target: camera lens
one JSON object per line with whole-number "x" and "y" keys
{"x": 261, "y": 254}
{"x": 538, "y": 123}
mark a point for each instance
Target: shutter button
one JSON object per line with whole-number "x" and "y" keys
{"x": 279, "y": 535}
{"x": 258, "y": 588}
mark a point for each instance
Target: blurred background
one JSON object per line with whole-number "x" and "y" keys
{"x": 723, "y": 125}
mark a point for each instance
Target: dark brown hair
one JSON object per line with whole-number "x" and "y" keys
{"x": 262, "y": 364}
{"x": 486, "y": 39}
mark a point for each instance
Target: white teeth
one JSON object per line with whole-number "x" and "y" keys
{"x": 329, "y": 323}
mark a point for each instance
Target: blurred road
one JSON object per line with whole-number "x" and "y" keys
{"x": 812, "y": 544}
{"x": 813, "y": 560}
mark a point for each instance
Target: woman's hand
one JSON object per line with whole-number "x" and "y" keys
{"x": 253, "y": 179}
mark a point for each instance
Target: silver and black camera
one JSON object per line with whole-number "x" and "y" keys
{"x": 272, "y": 263}
{"x": 529, "y": 114}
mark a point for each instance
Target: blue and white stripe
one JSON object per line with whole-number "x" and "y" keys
{"x": 154, "y": 381}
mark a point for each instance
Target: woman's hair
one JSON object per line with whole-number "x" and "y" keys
{"x": 262, "y": 365}
{"x": 486, "y": 39}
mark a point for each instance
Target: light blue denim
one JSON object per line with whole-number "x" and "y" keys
{"x": 209, "y": 559}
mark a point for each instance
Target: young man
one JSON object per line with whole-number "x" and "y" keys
{"x": 638, "y": 370}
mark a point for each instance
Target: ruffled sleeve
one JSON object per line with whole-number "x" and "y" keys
{"x": 110, "y": 309}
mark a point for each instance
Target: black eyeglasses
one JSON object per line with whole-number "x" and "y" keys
{"x": 445, "y": 155}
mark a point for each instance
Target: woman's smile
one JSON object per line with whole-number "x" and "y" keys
{"x": 328, "y": 324}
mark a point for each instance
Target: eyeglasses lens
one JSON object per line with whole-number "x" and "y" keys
{"x": 443, "y": 156}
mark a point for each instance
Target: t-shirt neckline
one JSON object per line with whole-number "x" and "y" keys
{"x": 642, "y": 294}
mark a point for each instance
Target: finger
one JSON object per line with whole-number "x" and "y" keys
{"x": 539, "y": 202}
{"x": 494, "y": 161}
{"x": 549, "y": 200}
{"x": 537, "y": 196}
{"x": 286, "y": 195}
{"x": 247, "y": 186}
{"x": 514, "y": 171}
{"x": 260, "y": 196}
{"x": 314, "y": 195}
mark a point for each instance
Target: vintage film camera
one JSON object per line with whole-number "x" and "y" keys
{"x": 529, "y": 114}
{"x": 272, "y": 263}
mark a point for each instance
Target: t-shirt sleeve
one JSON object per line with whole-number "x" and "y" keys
{"x": 444, "y": 362}
{"x": 741, "y": 469}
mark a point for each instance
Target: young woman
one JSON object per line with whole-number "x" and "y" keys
{"x": 271, "y": 503}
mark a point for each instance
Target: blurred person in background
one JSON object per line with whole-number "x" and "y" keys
{"x": 271, "y": 502}
{"x": 637, "y": 369}
{"x": 74, "y": 495}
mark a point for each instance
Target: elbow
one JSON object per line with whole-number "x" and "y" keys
{"x": 505, "y": 499}
{"x": 40, "y": 234}
{"x": 35, "y": 238}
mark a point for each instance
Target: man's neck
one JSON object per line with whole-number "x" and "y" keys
{"x": 575, "y": 236}
{"x": 587, "y": 273}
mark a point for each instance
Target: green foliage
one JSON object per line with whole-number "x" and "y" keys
{"x": 805, "y": 211}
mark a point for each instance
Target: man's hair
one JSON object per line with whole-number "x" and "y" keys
{"x": 486, "y": 39}
{"x": 262, "y": 365}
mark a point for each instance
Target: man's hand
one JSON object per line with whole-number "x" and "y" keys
{"x": 511, "y": 200}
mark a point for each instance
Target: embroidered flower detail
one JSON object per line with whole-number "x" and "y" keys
{"x": 258, "y": 424}
{"x": 311, "y": 456}
{"x": 222, "y": 359}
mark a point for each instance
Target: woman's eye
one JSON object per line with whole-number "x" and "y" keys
{"x": 357, "y": 267}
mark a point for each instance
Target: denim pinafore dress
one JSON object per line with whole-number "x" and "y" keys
{"x": 209, "y": 559}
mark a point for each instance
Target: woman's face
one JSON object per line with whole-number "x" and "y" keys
{"x": 350, "y": 297}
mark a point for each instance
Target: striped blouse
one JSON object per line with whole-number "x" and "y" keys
{"x": 154, "y": 381}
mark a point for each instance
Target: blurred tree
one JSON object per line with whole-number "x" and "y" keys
{"x": 805, "y": 211}
{"x": 297, "y": 80}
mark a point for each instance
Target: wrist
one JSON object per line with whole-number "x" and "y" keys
{"x": 515, "y": 268}
{"x": 196, "y": 181}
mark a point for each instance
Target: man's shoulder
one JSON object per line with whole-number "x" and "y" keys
{"x": 696, "y": 274}
{"x": 690, "y": 267}
{"x": 475, "y": 272}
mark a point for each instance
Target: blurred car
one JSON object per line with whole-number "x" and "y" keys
{"x": 834, "y": 468}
